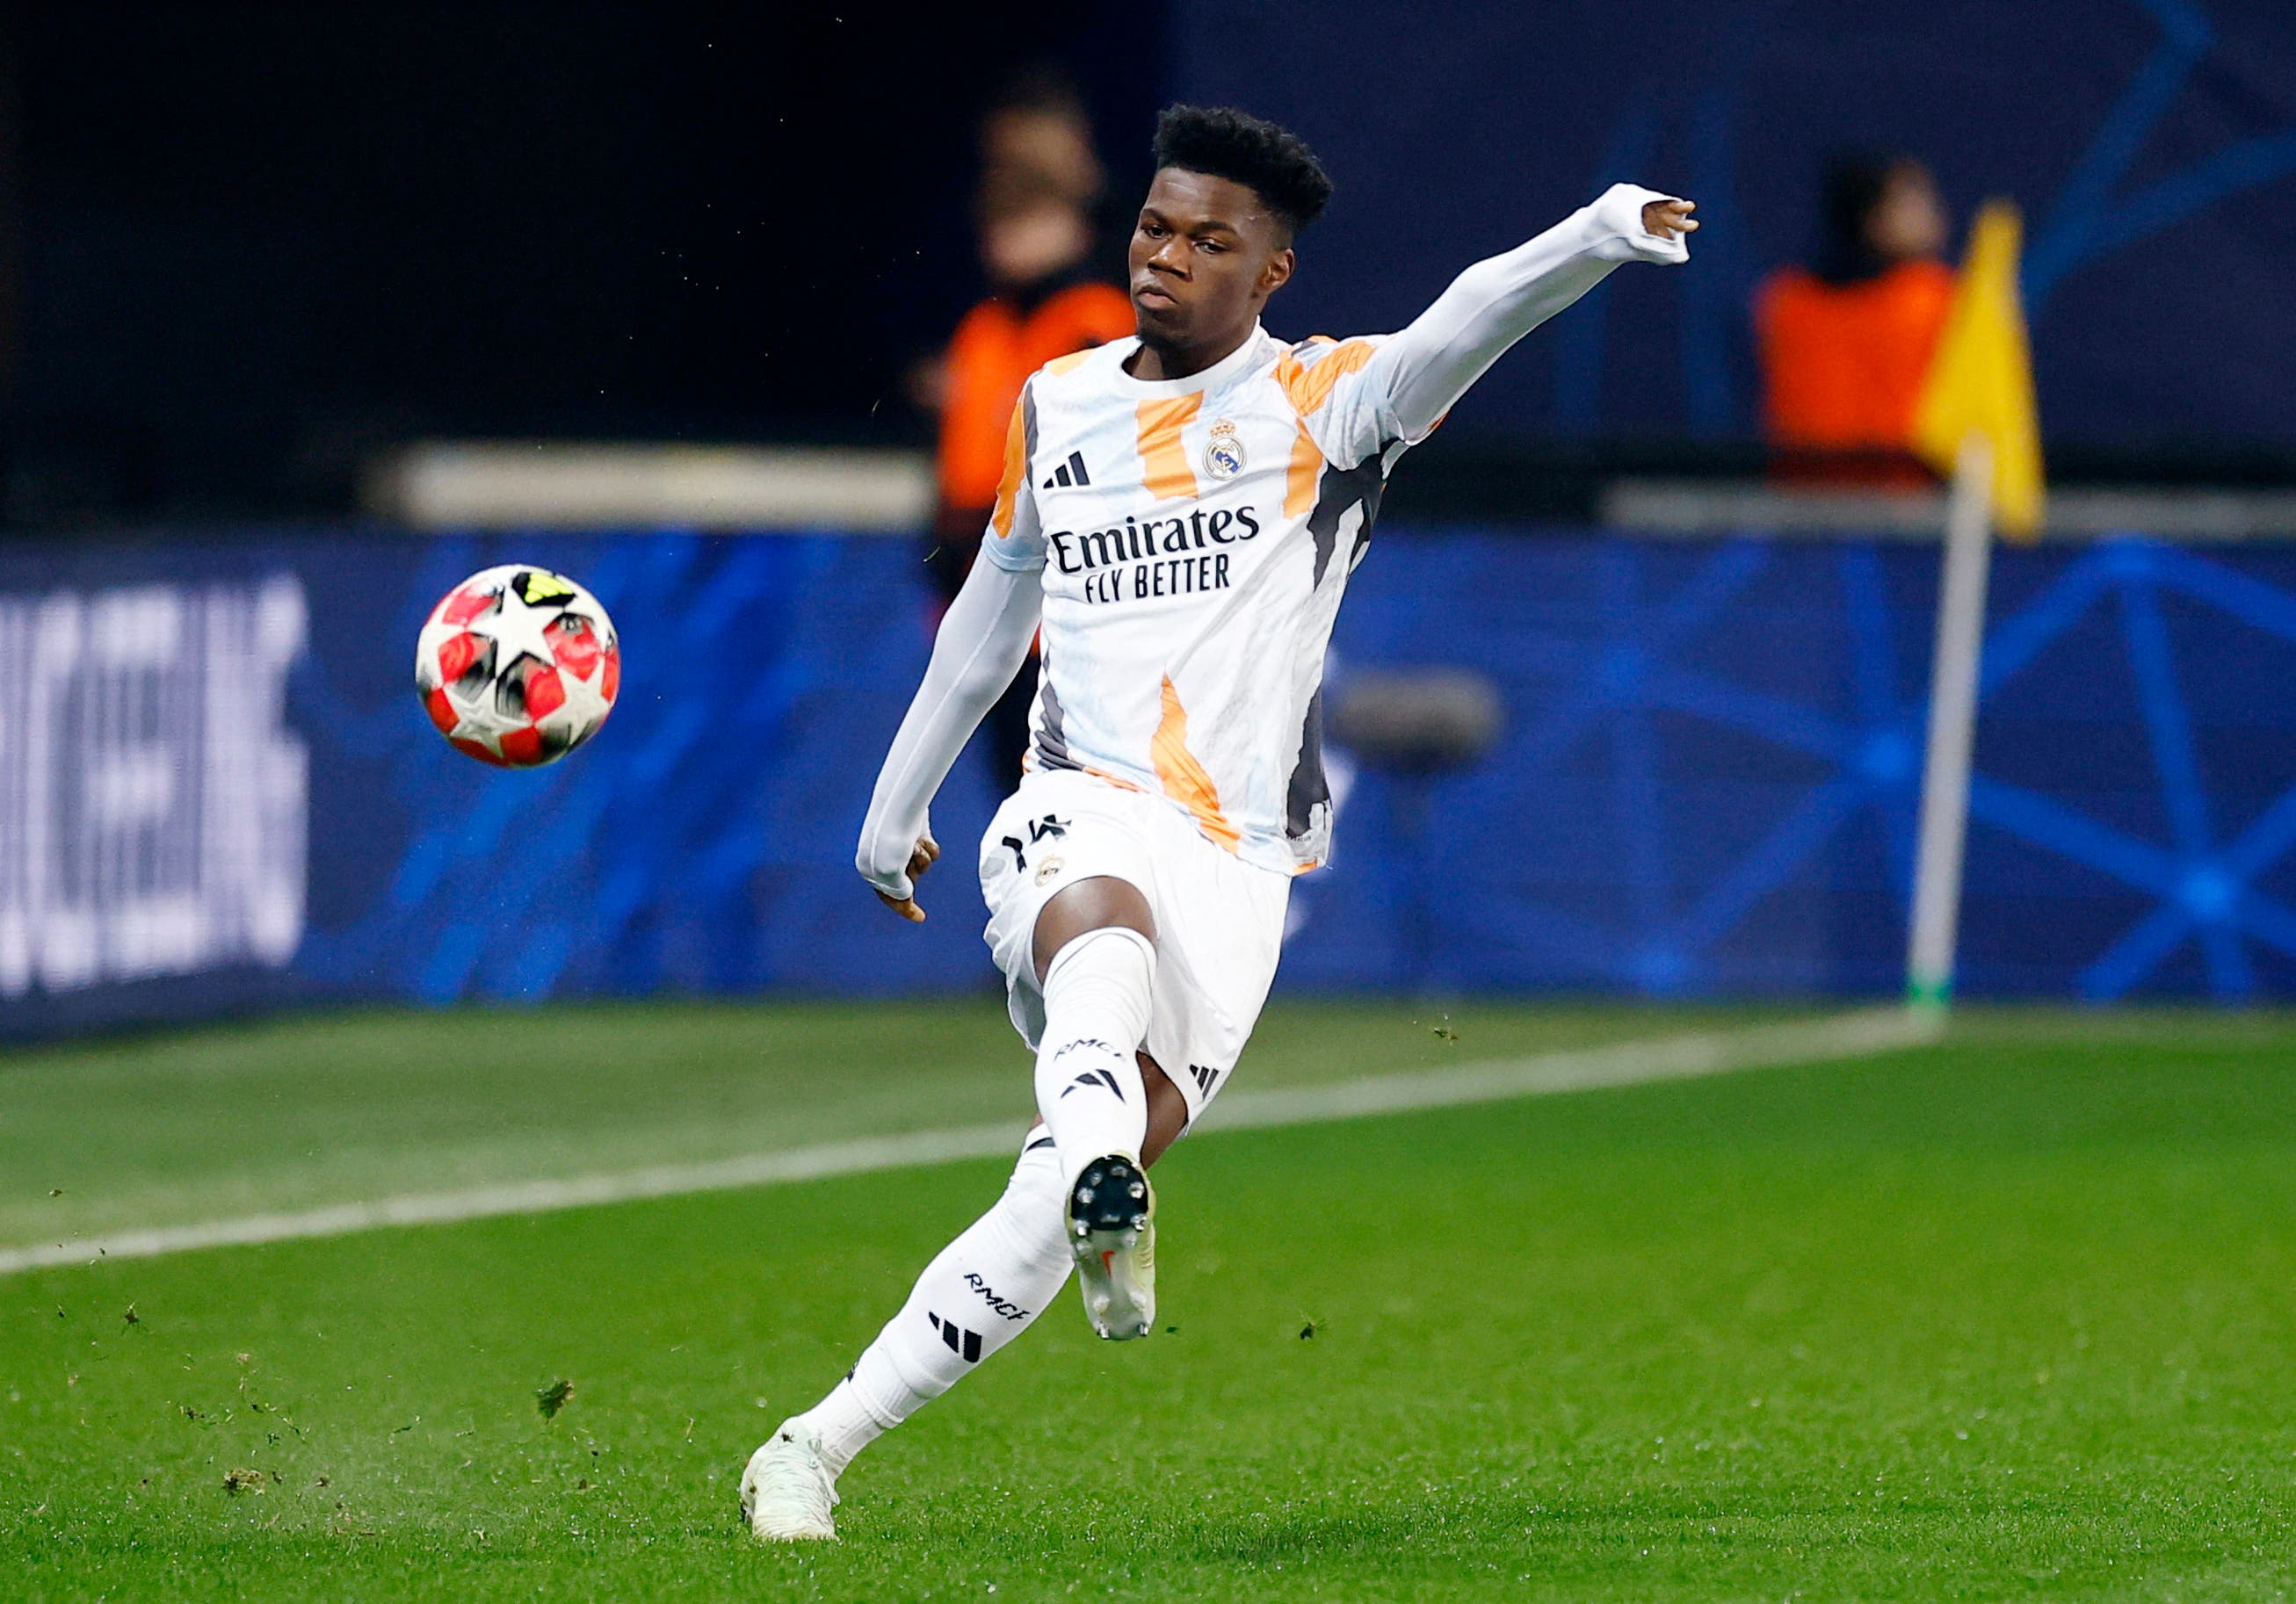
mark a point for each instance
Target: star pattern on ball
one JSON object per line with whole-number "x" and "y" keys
{"x": 586, "y": 700}
{"x": 467, "y": 728}
{"x": 518, "y": 629}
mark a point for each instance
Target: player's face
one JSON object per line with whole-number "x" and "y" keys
{"x": 1206, "y": 254}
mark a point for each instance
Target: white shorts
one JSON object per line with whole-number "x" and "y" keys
{"x": 1219, "y": 921}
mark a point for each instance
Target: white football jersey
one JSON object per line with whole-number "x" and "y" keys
{"x": 1195, "y": 536}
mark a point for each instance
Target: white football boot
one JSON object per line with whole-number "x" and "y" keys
{"x": 1112, "y": 1220}
{"x": 787, "y": 1492}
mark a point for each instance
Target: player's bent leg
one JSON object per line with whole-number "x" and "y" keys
{"x": 1116, "y": 1248}
{"x": 1087, "y": 1078}
{"x": 1095, "y": 953}
{"x": 1111, "y": 1221}
{"x": 981, "y": 1292}
{"x": 1094, "y": 949}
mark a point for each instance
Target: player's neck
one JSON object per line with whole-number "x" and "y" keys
{"x": 1157, "y": 363}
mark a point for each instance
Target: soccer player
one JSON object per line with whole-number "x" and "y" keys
{"x": 1179, "y": 514}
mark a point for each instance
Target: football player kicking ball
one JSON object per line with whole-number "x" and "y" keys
{"x": 1179, "y": 515}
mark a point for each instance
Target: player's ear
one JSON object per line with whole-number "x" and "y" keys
{"x": 1278, "y": 273}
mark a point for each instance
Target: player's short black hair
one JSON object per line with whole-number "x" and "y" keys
{"x": 1273, "y": 162}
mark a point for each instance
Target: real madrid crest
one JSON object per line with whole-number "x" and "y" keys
{"x": 1224, "y": 454}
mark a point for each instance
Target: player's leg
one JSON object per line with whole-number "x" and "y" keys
{"x": 1019, "y": 1252}
{"x": 1095, "y": 952}
{"x": 981, "y": 1292}
{"x": 1094, "y": 947}
{"x": 1218, "y": 934}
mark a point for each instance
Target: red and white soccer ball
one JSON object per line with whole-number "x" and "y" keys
{"x": 518, "y": 666}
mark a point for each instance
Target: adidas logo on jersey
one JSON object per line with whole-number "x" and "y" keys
{"x": 1068, "y": 474}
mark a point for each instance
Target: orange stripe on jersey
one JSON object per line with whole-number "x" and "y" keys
{"x": 1310, "y": 386}
{"x": 1184, "y": 779}
{"x": 1016, "y": 466}
{"x": 1062, "y": 364}
{"x": 1169, "y": 477}
{"x": 1299, "y": 483}
{"x": 1116, "y": 781}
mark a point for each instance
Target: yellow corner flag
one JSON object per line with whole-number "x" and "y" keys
{"x": 1981, "y": 378}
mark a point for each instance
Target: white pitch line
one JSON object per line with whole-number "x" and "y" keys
{"x": 1860, "y": 1034}
{"x": 1848, "y": 1035}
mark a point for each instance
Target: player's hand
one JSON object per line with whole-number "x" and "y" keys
{"x": 1630, "y": 224}
{"x": 1670, "y": 219}
{"x": 928, "y": 851}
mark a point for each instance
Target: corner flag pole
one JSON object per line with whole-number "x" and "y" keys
{"x": 1952, "y": 727}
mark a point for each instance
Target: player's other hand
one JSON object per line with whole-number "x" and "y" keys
{"x": 1670, "y": 219}
{"x": 923, "y": 858}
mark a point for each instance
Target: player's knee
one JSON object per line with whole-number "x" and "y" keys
{"x": 1100, "y": 903}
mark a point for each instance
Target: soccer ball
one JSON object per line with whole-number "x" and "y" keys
{"x": 518, "y": 666}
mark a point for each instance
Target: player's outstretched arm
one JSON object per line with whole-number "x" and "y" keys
{"x": 1428, "y": 366}
{"x": 984, "y": 639}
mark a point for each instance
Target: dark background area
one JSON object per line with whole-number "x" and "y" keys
{"x": 243, "y": 247}
{"x": 2150, "y": 145}
{"x": 251, "y": 242}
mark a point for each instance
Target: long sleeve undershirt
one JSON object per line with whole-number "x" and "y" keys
{"x": 1427, "y": 366}
{"x": 984, "y": 639}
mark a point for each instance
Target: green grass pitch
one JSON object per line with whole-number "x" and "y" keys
{"x": 2013, "y": 1316}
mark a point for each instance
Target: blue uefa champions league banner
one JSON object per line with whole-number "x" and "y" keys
{"x": 219, "y": 792}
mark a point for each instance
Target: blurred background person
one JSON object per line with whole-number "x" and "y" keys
{"x": 1846, "y": 341}
{"x": 1039, "y": 126}
{"x": 1052, "y": 290}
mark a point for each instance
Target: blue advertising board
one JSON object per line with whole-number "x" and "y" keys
{"x": 219, "y": 792}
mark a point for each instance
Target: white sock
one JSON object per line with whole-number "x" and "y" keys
{"x": 1088, "y": 1086}
{"x": 981, "y": 1292}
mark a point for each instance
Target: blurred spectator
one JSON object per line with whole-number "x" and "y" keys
{"x": 1046, "y": 298}
{"x": 1846, "y": 343}
{"x": 1039, "y": 126}
{"x": 1043, "y": 301}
